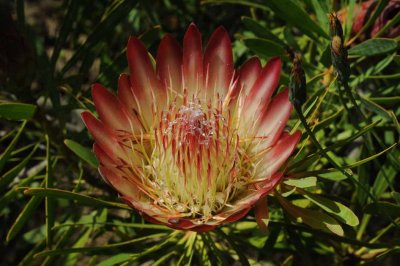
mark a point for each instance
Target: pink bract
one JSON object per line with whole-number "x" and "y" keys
{"x": 192, "y": 143}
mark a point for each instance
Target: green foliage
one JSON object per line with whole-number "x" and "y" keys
{"x": 83, "y": 152}
{"x": 339, "y": 200}
{"x": 17, "y": 111}
{"x": 374, "y": 47}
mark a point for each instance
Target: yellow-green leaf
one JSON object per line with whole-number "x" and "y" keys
{"x": 337, "y": 209}
{"x": 315, "y": 219}
{"x": 302, "y": 182}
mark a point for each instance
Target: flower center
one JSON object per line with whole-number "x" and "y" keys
{"x": 194, "y": 127}
{"x": 196, "y": 163}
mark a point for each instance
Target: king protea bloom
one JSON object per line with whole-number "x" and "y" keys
{"x": 191, "y": 143}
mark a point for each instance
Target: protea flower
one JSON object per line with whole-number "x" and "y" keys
{"x": 192, "y": 144}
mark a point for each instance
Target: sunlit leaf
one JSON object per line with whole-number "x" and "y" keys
{"x": 116, "y": 259}
{"x": 343, "y": 213}
{"x": 312, "y": 218}
{"x": 302, "y": 182}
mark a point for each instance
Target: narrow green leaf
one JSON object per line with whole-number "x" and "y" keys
{"x": 341, "y": 143}
{"x": 392, "y": 100}
{"x": 116, "y": 223}
{"x": 312, "y": 218}
{"x": 170, "y": 240}
{"x": 81, "y": 199}
{"x": 100, "y": 249}
{"x": 302, "y": 182}
{"x": 374, "y": 70}
{"x": 9, "y": 134}
{"x": 327, "y": 236}
{"x": 28, "y": 257}
{"x": 335, "y": 176}
{"x": 348, "y": 24}
{"x": 343, "y": 213}
{"x": 17, "y": 111}
{"x": 264, "y": 48}
{"x": 390, "y": 76}
{"x": 85, "y": 153}
{"x": 374, "y": 47}
{"x": 395, "y": 122}
{"x": 116, "y": 259}
{"x": 328, "y": 121}
{"x": 8, "y": 177}
{"x": 23, "y": 217}
{"x": 6, "y": 154}
{"x": 384, "y": 258}
{"x": 321, "y": 14}
{"x": 204, "y": 257}
{"x": 332, "y": 174}
{"x": 48, "y": 202}
{"x": 376, "y": 108}
{"x": 364, "y": 172}
{"x": 162, "y": 260}
{"x": 64, "y": 237}
{"x": 71, "y": 259}
{"x": 13, "y": 193}
{"x": 384, "y": 179}
{"x": 187, "y": 253}
{"x": 396, "y": 196}
{"x": 360, "y": 162}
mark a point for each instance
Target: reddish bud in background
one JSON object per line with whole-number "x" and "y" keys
{"x": 363, "y": 11}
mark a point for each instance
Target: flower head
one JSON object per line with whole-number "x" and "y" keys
{"x": 192, "y": 144}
